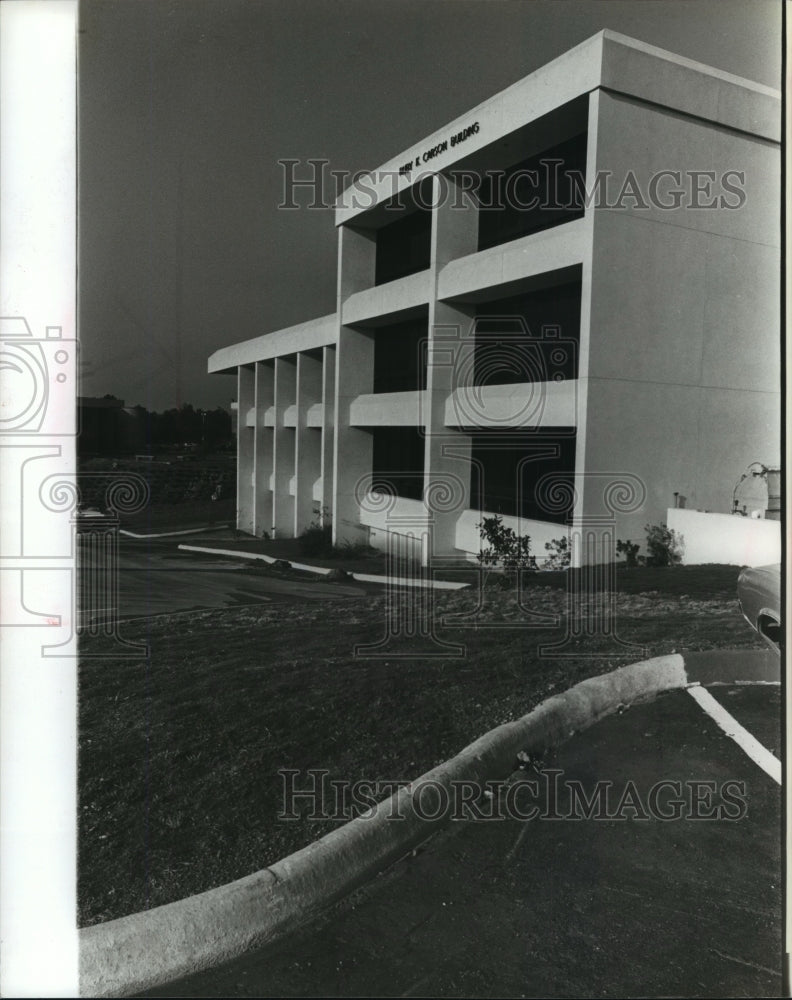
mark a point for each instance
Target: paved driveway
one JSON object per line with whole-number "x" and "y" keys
{"x": 623, "y": 906}
{"x": 154, "y": 578}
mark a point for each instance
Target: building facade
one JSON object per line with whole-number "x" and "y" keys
{"x": 561, "y": 308}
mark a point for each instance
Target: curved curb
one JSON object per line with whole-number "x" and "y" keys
{"x": 147, "y": 949}
{"x": 173, "y": 534}
{"x": 396, "y": 581}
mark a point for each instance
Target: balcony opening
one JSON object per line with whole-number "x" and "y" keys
{"x": 530, "y": 337}
{"x": 534, "y": 194}
{"x": 400, "y": 352}
{"x": 508, "y": 465}
{"x": 403, "y": 246}
{"x": 398, "y": 461}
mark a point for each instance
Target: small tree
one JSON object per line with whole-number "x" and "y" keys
{"x": 504, "y": 546}
{"x": 664, "y": 545}
{"x": 629, "y": 550}
{"x": 559, "y": 553}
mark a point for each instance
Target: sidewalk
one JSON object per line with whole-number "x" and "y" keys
{"x": 357, "y": 568}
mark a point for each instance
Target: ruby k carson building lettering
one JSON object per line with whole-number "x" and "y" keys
{"x": 562, "y": 308}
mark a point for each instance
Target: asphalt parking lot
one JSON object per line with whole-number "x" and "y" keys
{"x": 684, "y": 900}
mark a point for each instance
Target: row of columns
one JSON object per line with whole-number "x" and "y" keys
{"x": 283, "y": 450}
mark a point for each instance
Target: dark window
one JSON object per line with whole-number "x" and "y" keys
{"x": 534, "y": 194}
{"x": 400, "y": 356}
{"x": 532, "y": 337}
{"x": 403, "y": 246}
{"x": 499, "y": 459}
{"x": 398, "y": 461}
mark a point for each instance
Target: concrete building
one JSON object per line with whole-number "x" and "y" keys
{"x": 576, "y": 284}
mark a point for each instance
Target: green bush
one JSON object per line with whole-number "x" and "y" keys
{"x": 504, "y": 547}
{"x": 629, "y": 550}
{"x": 559, "y": 553}
{"x": 664, "y": 545}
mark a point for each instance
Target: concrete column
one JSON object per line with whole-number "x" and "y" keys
{"x": 284, "y": 448}
{"x": 245, "y": 448}
{"x": 582, "y": 503}
{"x": 454, "y": 223}
{"x": 354, "y": 374}
{"x": 308, "y": 442}
{"x": 265, "y": 399}
{"x": 357, "y": 258}
{"x": 450, "y": 364}
{"x": 352, "y": 447}
{"x": 328, "y": 429}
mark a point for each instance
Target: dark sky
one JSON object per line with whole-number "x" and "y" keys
{"x": 186, "y": 106}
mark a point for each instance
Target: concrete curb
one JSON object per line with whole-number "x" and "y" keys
{"x": 396, "y": 581}
{"x": 147, "y": 949}
{"x": 173, "y": 534}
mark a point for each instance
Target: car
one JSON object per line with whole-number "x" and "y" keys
{"x": 759, "y": 594}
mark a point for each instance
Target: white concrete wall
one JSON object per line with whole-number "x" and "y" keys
{"x": 387, "y": 409}
{"x": 682, "y": 384}
{"x": 392, "y": 297}
{"x": 725, "y": 538}
{"x": 517, "y": 404}
{"x": 509, "y": 264}
{"x": 313, "y": 334}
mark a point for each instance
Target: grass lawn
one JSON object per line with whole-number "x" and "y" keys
{"x": 179, "y": 753}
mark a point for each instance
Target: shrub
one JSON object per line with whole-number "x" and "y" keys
{"x": 559, "y": 553}
{"x": 629, "y": 550}
{"x": 317, "y": 539}
{"x": 664, "y": 545}
{"x": 504, "y": 547}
